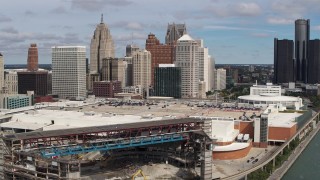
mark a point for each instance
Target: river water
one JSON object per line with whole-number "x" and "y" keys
{"x": 307, "y": 165}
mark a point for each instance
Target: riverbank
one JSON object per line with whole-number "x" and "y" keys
{"x": 281, "y": 171}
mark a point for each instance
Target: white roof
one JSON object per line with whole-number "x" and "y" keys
{"x": 186, "y": 37}
{"x": 269, "y": 98}
{"x": 282, "y": 119}
{"x": 68, "y": 47}
{"x": 231, "y": 147}
{"x": 69, "y": 119}
{"x": 21, "y": 125}
{"x": 166, "y": 65}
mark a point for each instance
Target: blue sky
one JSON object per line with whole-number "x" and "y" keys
{"x": 235, "y": 31}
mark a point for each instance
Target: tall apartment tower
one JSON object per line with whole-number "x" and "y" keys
{"x": 69, "y": 71}
{"x": 314, "y": 62}
{"x": 174, "y": 32}
{"x": 160, "y": 53}
{"x": 1, "y": 71}
{"x": 101, "y": 47}
{"x": 302, "y": 36}
{"x": 220, "y": 79}
{"x": 141, "y": 61}
{"x": 187, "y": 58}
{"x": 283, "y": 61}
{"x": 204, "y": 65}
{"x": 32, "y": 62}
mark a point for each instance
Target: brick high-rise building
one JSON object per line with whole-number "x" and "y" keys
{"x": 160, "y": 53}
{"x": 32, "y": 64}
{"x": 106, "y": 88}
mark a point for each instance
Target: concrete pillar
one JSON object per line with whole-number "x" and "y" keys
{"x": 274, "y": 162}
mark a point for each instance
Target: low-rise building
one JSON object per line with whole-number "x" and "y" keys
{"x": 13, "y": 101}
{"x": 106, "y": 88}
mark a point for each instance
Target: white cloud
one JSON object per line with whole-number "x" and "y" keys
{"x": 129, "y": 37}
{"x": 235, "y": 28}
{"x": 94, "y": 5}
{"x": 248, "y": 9}
{"x": 295, "y": 8}
{"x": 9, "y": 30}
{"x": 128, "y": 25}
{"x": 260, "y": 35}
{"x": 59, "y": 10}
{"x": 29, "y": 13}
{"x": 4, "y": 18}
{"x": 273, "y": 20}
{"x": 316, "y": 28}
{"x": 237, "y": 9}
{"x": 134, "y": 26}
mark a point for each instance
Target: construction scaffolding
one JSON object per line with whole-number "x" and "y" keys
{"x": 55, "y": 154}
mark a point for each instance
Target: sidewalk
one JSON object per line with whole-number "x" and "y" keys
{"x": 281, "y": 171}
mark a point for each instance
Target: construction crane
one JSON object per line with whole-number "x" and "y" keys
{"x": 137, "y": 173}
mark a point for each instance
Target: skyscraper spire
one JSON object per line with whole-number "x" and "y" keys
{"x": 101, "y": 18}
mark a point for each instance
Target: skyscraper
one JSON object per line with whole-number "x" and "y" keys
{"x": 1, "y": 72}
{"x": 141, "y": 61}
{"x": 36, "y": 81}
{"x": 187, "y": 57}
{"x": 174, "y": 32}
{"x": 32, "y": 62}
{"x": 130, "y": 49}
{"x": 220, "y": 79}
{"x": 283, "y": 61}
{"x": 314, "y": 62}
{"x": 302, "y": 36}
{"x": 160, "y": 53}
{"x": 167, "y": 81}
{"x": 69, "y": 71}
{"x": 101, "y": 46}
{"x": 204, "y": 65}
{"x": 114, "y": 69}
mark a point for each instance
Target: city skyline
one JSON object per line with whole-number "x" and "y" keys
{"x": 228, "y": 28}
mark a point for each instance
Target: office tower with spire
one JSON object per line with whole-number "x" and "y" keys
{"x": 69, "y": 71}
{"x": 102, "y": 46}
{"x": 283, "y": 61}
{"x": 32, "y": 63}
{"x": 302, "y": 36}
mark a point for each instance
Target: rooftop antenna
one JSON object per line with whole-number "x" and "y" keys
{"x": 131, "y": 38}
{"x": 256, "y": 82}
{"x": 101, "y": 18}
